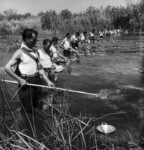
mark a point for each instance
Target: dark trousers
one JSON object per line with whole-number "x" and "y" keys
{"x": 30, "y": 95}
{"x": 67, "y": 53}
{"x": 75, "y": 44}
{"x": 33, "y": 120}
{"x": 50, "y": 73}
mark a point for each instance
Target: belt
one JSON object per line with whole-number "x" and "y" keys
{"x": 29, "y": 76}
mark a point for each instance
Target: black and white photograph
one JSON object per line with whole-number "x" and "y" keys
{"x": 71, "y": 74}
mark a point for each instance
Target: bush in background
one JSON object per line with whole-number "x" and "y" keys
{"x": 5, "y": 28}
{"x": 130, "y": 18}
{"x": 15, "y": 27}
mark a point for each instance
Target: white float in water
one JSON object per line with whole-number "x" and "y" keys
{"x": 105, "y": 128}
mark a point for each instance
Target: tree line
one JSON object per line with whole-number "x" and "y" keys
{"x": 130, "y": 18}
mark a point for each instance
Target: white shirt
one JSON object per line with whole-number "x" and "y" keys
{"x": 101, "y": 33}
{"x": 66, "y": 44}
{"x": 54, "y": 51}
{"x": 82, "y": 37}
{"x": 44, "y": 59}
{"x": 27, "y": 66}
{"x": 92, "y": 34}
{"x": 73, "y": 38}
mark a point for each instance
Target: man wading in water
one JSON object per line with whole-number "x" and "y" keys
{"x": 29, "y": 71}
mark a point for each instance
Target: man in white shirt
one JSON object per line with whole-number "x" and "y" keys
{"x": 66, "y": 46}
{"x": 30, "y": 70}
{"x": 45, "y": 59}
{"x": 68, "y": 50}
{"x": 58, "y": 59}
{"x": 101, "y": 33}
{"x": 75, "y": 40}
{"x": 92, "y": 36}
{"x": 83, "y": 37}
{"x": 56, "y": 56}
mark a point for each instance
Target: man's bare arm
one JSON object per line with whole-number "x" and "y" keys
{"x": 11, "y": 66}
{"x": 46, "y": 79}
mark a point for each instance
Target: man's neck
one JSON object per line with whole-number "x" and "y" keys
{"x": 26, "y": 46}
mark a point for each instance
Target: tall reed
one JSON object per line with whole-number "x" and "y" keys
{"x": 54, "y": 128}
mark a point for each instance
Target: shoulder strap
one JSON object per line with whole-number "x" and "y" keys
{"x": 30, "y": 55}
{"x": 24, "y": 50}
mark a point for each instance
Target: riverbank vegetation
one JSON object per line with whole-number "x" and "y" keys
{"x": 130, "y": 18}
{"x": 54, "y": 129}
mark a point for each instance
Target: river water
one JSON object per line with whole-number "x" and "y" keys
{"x": 116, "y": 63}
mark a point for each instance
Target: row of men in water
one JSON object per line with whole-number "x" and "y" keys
{"x": 81, "y": 38}
{"x": 30, "y": 64}
{"x": 91, "y": 37}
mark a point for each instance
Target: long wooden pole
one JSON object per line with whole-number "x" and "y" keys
{"x": 56, "y": 88}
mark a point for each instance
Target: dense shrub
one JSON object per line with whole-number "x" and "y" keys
{"x": 126, "y": 18}
{"x": 15, "y": 27}
{"x": 19, "y": 29}
{"x": 5, "y": 29}
{"x": 129, "y": 18}
{"x": 50, "y": 20}
{"x": 1, "y": 16}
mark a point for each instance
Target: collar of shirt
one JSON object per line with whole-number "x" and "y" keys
{"x": 24, "y": 46}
